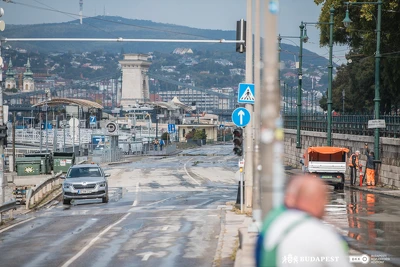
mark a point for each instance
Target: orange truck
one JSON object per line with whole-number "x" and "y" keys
{"x": 328, "y": 163}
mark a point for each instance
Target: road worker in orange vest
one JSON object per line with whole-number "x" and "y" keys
{"x": 370, "y": 166}
{"x": 353, "y": 164}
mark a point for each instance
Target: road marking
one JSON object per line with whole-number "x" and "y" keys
{"x": 184, "y": 167}
{"x": 12, "y": 226}
{"x": 137, "y": 193}
{"x": 83, "y": 250}
{"x": 165, "y": 228}
{"x": 162, "y": 200}
{"x": 147, "y": 256}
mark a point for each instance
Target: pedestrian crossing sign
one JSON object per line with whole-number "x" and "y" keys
{"x": 246, "y": 93}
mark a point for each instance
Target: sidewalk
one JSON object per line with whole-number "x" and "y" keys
{"x": 228, "y": 251}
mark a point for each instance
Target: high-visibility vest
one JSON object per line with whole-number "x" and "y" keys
{"x": 351, "y": 160}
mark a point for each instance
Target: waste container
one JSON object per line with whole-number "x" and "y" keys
{"x": 46, "y": 161}
{"x": 62, "y": 161}
{"x": 28, "y": 166}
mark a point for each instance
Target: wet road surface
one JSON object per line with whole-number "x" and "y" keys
{"x": 169, "y": 214}
{"x": 370, "y": 222}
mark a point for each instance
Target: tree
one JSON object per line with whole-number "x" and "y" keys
{"x": 361, "y": 37}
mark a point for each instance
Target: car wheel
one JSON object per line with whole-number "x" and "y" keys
{"x": 105, "y": 199}
{"x": 67, "y": 201}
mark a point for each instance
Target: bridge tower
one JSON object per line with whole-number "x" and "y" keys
{"x": 135, "y": 82}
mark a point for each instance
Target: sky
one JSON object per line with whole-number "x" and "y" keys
{"x": 204, "y": 14}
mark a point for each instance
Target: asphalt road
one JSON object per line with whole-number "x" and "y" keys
{"x": 162, "y": 212}
{"x": 167, "y": 211}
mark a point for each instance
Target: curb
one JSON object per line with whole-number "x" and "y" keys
{"x": 368, "y": 190}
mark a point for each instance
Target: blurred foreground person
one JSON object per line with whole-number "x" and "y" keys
{"x": 294, "y": 235}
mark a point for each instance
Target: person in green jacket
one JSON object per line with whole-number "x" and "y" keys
{"x": 293, "y": 234}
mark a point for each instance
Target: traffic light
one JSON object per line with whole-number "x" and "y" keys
{"x": 3, "y": 135}
{"x": 238, "y": 142}
{"x": 241, "y": 35}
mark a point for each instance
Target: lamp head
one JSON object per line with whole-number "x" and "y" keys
{"x": 347, "y": 21}
{"x": 305, "y": 37}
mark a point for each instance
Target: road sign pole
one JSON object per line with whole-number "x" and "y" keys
{"x": 64, "y": 125}
{"x": 241, "y": 190}
{"x": 73, "y": 135}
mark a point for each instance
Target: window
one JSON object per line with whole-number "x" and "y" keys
{"x": 84, "y": 172}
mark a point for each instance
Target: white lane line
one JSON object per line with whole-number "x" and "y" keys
{"x": 165, "y": 228}
{"x": 147, "y": 256}
{"x": 12, "y": 226}
{"x": 162, "y": 200}
{"x": 137, "y": 193}
{"x": 184, "y": 167}
{"x": 83, "y": 250}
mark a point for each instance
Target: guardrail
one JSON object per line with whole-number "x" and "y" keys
{"x": 344, "y": 124}
{"x": 40, "y": 191}
{"x": 8, "y": 206}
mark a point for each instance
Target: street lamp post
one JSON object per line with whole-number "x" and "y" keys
{"x": 284, "y": 98}
{"x": 291, "y": 100}
{"x": 377, "y": 99}
{"x": 330, "y": 73}
{"x": 300, "y": 75}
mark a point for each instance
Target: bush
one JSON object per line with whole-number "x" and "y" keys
{"x": 199, "y": 135}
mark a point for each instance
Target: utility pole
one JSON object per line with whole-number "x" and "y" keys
{"x": 272, "y": 174}
{"x": 248, "y": 131}
{"x": 257, "y": 216}
{"x": 2, "y": 182}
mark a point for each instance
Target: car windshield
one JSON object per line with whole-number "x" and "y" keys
{"x": 84, "y": 172}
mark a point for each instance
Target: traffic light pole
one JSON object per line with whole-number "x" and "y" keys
{"x": 248, "y": 151}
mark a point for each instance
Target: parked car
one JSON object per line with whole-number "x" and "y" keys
{"x": 86, "y": 181}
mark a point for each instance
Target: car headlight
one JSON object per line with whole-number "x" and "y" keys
{"x": 67, "y": 185}
{"x": 102, "y": 184}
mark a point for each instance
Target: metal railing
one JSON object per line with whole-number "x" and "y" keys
{"x": 38, "y": 193}
{"x": 344, "y": 124}
{"x": 8, "y": 206}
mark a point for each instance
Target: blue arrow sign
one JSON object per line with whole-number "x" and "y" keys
{"x": 246, "y": 93}
{"x": 92, "y": 119}
{"x": 241, "y": 117}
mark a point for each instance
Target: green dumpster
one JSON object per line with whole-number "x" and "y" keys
{"x": 62, "y": 161}
{"x": 28, "y": 166}
{"x": 46, "y": 161}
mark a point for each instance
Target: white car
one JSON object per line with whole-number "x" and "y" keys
{"x": 86, "y": 181}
